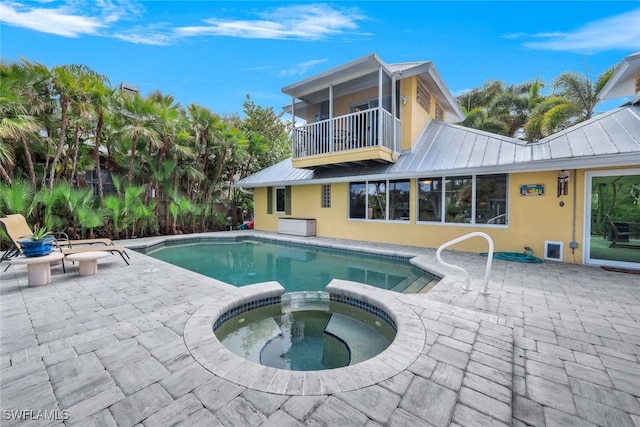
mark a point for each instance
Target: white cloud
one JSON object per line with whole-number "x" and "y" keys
{"x": 301, "y": 68}
{"x": 305, "y": 22}
{"x": 144, "y": 37}
{"x": 59, "y": 21}
{"x": 107, "y": 18}
{"x": 620, "y": 32}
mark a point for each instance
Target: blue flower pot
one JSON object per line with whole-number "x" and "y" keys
{"x": 35, "y": 248}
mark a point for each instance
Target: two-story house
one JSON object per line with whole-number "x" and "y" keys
{"x": 377, "y": 157}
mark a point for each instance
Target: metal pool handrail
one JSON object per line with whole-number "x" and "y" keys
{"x": 467, "y": 287}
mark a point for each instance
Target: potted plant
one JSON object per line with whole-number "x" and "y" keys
{"x": 38, "y": 244}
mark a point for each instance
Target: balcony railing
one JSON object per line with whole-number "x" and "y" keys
{"x": 350, "y": 132}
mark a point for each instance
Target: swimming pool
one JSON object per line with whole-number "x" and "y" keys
{"x": 295, "y": 267}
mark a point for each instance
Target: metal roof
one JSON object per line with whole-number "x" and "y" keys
{"x": 363, "y": 66}
{"x": 362, "y": 73}
{"x": 609, "y": 139}
{"x": 623, "y": 80}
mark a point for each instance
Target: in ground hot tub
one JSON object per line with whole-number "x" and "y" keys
{"x": 203, "y": 344}
{"x": 308, "y": 331}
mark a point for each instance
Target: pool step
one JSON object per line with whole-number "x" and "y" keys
{"x": 404, "y": 283}
{"x": 248, "y": 342}
{"x": 363, "y": 340}
{"x": 414, "y": 284}
{"x": 418, "y": 285}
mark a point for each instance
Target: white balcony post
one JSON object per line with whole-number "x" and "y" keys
{"x": 331, "y": 118}
{"x": 296, "y": 148}
{"x": 394, "y": 112}
{"x": 378, "y": 115}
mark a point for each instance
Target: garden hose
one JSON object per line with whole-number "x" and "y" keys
{"x": 526, "y": 256}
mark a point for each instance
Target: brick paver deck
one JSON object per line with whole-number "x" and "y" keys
{"x": 553, "y": 344}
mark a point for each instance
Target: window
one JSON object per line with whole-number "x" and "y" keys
{"x": 430, "y": 199}
{"x": 458, "y": 199}
{"x": 399, "y": 200}
{"x": 280, "y": 200}
{"x": 491, "y": 199}
{"x": 326, "y": 196}
{"x": 379, "y": 200}
{"x": 463, "y": 199}
{"x": 357, "y": 200}
{"x": 439, "y": 112}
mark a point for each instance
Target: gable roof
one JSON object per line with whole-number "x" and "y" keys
{"x": 609, "y": 139}
{"x": 623, "y": 80}
{"x": 363, "y": 72}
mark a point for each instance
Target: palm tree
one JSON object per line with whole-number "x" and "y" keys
{"x": 14, "y": 122}
{"x": 15, "y": 197}
{"x": 67, "y": 85}
{"x": 139, "y": 115}
{"x": 478, "y": 118}
{"x": 100, "y": 93}
{"x": 574, "y": 102}
{"x": 18, "y": 115}
{"x": 501, "y": 108}
{"x": 174, "y": 139}
{"x": 514, "y": 105}
{"x": 206, "y": 129}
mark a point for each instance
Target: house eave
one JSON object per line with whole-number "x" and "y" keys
{"x": 622, "y": 81}
{"x": 337, "y": 75}
{"x": 588, "y": 162}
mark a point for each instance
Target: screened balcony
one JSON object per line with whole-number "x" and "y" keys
{"x": 372, "y": 128}
{"x": 348, "y": 114}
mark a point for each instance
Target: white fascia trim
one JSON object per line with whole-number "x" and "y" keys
{"x": 613, "y": 160}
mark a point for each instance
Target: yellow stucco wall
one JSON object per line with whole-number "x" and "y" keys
{"x": 414, "y": 116}
{"x": 532, "y": 219}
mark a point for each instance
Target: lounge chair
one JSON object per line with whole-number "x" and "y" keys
{"x": 18, "y": 223}
{"x": 16, "y": 228}
{"x": 619, "y": 233}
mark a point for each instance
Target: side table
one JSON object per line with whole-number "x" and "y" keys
{"x": 38, "y": 268}
{"x": 87, "y": 261}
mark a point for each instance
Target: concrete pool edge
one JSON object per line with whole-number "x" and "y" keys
{"x": 427, "y": 264}
{"x": 213, "y": 356}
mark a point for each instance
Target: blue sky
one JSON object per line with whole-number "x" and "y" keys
{"x": 213, "y": 53}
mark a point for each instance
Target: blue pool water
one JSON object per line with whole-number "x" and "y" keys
{"x": 295, "y": 267}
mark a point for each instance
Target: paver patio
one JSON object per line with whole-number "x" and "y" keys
{"x": 553, "y": 344}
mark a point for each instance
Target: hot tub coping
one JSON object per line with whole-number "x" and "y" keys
{"x": 205, "y": 347}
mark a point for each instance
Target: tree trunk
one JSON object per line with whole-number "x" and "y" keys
{"x": 27, "y": 155}
{"x": 134, "y": 142}
{"x": 64, "y": 104}
{"x": 5, "y": 175}
{"x": 69, "y": 154}
{"x": 46, "y": 161}
{"x": 217, "y": 177}
{"x": 96, "y": 155}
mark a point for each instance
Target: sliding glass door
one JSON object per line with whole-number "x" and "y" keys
{"x": 612, "y": 218}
